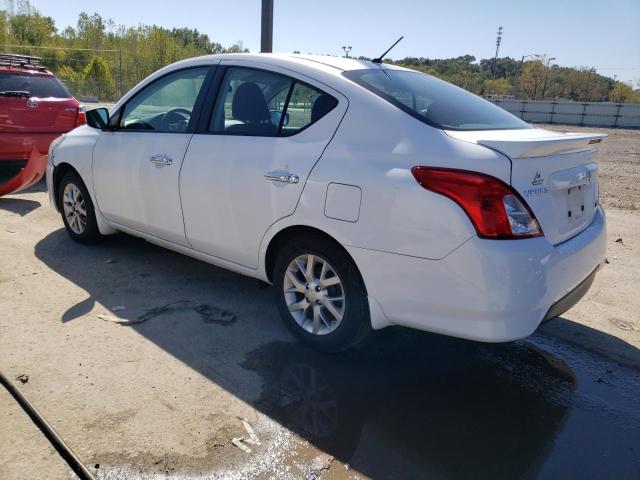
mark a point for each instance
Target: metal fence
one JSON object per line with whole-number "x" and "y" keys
{"x": 596, "y": 114}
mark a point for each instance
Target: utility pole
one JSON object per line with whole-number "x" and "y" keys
{"x": 266, "y": 33}
{"x": 546, "y": 74}
{"x": 498, "y": 42}
{"x": 346, "y": 51}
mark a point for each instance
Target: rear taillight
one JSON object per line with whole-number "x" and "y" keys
{"x": 81, "y": 119}
{"x": 495, "y": 209}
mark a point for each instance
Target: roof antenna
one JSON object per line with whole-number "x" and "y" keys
{"x": 379, "y": 59}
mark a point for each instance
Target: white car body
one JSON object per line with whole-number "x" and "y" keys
{"x": 421, "y": 260}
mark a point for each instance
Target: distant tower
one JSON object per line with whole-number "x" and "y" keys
{"x": 498, "y": 43}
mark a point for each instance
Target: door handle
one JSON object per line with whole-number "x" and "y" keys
{"x": 161, "y": 160}
{"x": 282, "y": 177}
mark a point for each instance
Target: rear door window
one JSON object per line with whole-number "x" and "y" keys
{"x": 434, "y": 101}
{"x": 41, "y": 86}
{"x": 250, "y": 102}
{"x": 261, "y": 103}
{"x": 306, "y": 106}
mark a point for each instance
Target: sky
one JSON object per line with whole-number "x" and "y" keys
{"x": 591, "y": 33}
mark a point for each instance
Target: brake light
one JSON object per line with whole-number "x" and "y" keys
{"x": 495, "y": 209}
{"x": 81, "y": 119}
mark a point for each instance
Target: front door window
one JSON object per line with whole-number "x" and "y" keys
{"x": 166, "y": 105}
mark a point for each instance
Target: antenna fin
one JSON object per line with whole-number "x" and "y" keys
{"x": 379, "y": 59}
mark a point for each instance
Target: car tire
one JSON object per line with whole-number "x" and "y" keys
{"x": 77, "y": 209}
{"x": 309, "y": 300}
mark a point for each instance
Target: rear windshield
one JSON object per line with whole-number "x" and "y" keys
{"x": 41, "y": 86}
{"x": 434, "y": 101}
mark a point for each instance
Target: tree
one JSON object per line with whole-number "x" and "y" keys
{"x": 466, "y": 80}
{"x": 97, "y": 78}
{"x": 72, "y": 80}
{"x": 191, "y": 38}
{"x": 236, "y": 48}
{"x": 499, "y": 86}
{"x": 504, "y": 67}
{"x": 92, "y": 30}
{"x": 621, "y": 92}
{"x": 31, "y": 29}
{"x": 532, "y": 78}
{"x": 4, "y": 27}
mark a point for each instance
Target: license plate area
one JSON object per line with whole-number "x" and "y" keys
{"x": 575, "y": 203}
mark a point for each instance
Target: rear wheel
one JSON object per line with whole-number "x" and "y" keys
{"x": 320, "y": 294}
{"x": 77, "y": 209}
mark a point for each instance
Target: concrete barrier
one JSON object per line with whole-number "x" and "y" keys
{"x": 596, "y": 114}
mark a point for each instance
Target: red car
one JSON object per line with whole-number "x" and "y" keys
{"x": 35, "y": 108}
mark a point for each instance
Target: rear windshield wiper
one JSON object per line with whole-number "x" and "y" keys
{"x": 15, "y": 93}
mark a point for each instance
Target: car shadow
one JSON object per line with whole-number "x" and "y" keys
{"x": 594, "y": 340}
{"x": 408, "y": 405}
{"x": 19, "y": 206}
{"x": 40, "y": 186}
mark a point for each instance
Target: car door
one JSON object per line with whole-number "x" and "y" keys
{"x": 248, "y": 167}
{"x": 136, "y": 166}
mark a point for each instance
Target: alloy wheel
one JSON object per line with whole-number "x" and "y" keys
{"x": 314, "y": 294}
{"x": 75, "y": 210}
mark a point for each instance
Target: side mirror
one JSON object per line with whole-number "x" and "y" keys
{"x": 276, "y": 116}
{"x": 98, "y": 118}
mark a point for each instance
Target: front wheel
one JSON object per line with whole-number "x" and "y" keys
{"x": 320, "y": 294}
{"x": 77, "y": 210}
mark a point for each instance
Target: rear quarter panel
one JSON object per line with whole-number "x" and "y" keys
{"x": 374, "y": 149}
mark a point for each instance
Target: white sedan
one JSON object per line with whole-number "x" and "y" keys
{"x": 369, "y": 195}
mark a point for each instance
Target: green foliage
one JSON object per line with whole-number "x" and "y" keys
{"x": 498, "y": 86}
{"x": 504, "y": 67}
{"x": 97, "y": 79}
{"x": 532, "y": 78}
{"x": 4, "y": 28}
{"x": 68, "y": 75}
{"x": 31, "y": 29}
{"x": 622, "y": 92}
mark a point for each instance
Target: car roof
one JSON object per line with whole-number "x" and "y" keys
{"x": 25, "y": 71}
{"x": 340, "y": 63}
{"x": 328, "y": 63}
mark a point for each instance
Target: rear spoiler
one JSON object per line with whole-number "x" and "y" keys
{"x": 530, "y": 143}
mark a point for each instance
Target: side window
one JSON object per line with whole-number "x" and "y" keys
{"x": 259, "y": 103}
{"x": 306, "y": 106}
{"x": 250, "y": 102}
{"x": 165, "y": 105}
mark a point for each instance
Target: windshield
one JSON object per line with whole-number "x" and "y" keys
{"x": 41, "y": 86}
{"x": 434, "y": 101}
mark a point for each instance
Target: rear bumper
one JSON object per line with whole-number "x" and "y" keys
{"x": 29, "y": 152}
{"x": 571, "y": 298}
{"x": 485, "y": 290}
